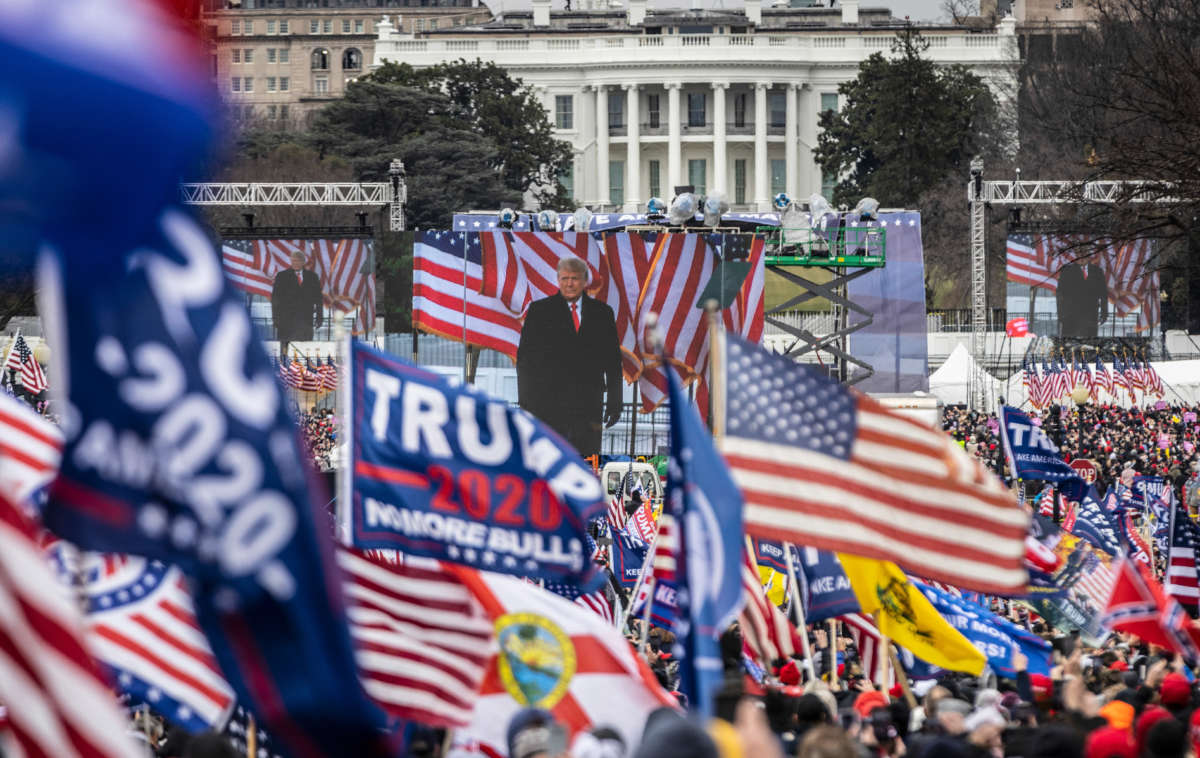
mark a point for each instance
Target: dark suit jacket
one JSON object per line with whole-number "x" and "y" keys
{"x": 1082, "y": 302}
{"x": 295, "y": 308}
{"x": 563, "y": 376}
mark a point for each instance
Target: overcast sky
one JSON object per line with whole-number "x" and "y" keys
{"x": 918, "y": 10}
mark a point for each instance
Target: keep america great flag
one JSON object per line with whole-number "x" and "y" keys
{"x": 827, "y": 467}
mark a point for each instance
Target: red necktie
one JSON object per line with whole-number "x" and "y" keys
{"x": 300, "y": 278}
{"x": 575, "y": 315}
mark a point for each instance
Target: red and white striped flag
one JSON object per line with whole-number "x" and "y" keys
{"x": 447, "y": 278}
{"x": 30, "y": 449}
{"x": 627, "y": 266}
{"x": 21, "y": 360}
{"x": 58, "y": 705}
{"x": 421, "y": 640}
{"x": 142, "y": 626}
{"x": 767, "y": 632}
{"x": 823, "y": 466}
{"x": 616, "y": 512}
{"x": 243, "y": 270}
{"x": 876, "y": 661}
{"x": 520, "y": 267}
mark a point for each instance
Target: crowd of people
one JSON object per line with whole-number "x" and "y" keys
{"x": 319, "y": 432}
{"x": 1157, "y": 441}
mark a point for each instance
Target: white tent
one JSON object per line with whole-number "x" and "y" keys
{"x": 960, "y": 377}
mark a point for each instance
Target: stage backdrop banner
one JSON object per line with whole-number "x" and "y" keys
{"x": 895, "y": 343}
{"x": 346, "y": 268}
{"x": 449, "y": 473}
{"x": 1071, "y": 286}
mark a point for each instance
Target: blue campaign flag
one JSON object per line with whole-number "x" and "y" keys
{"x": 708, "y": 506}
{"x": 826, "y": 590}
{"x": 1092, "y": 522}
{"x": 993, "y": 636}
{"x": 770, "y": 553}
{"x": 1031, "y": 454}
{"x": 178, "y": 444}
{"x": 449, "y": 473}
{"x": 629, "y": 556}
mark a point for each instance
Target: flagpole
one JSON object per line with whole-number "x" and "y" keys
{"x": 902, "y": 676}
{"x": 835, "y": 682}
{"x": 341, "y": 400}
{"x": 716, "y": 369}
{"x": 794, "y": 591}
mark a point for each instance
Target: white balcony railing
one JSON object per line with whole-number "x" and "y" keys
{"x": 803, "y": 46}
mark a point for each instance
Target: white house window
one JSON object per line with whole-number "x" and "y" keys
{"x": 271, "y": 55}
{"x": 345, "y": 26}
{"x": 284, "y": 83}
{"x": 358, "y": 26}
{"x": 321, "y": 85}
{"x": 270, "y": 84}
{"x": 320, "y": 59}
{"x": 314, "y": 27}
{"x": 248, "y": 84}
{"x": 237, "y": 55}
{"x": 283, "y": 27}
{"x": 351, "y": 59}
{"x": 283, "y": 55}
{"x": 248, "y": 55}
{"x": 271, "y": 27}
{"x": 235, "y": 28}
{"x": 235, "y": 84}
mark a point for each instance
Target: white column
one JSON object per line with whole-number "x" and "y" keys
{"x": 674, "y": 147}
{"x": 633, "y": 153}
{"x": 720, "y": 160}
{"x": 789, "y": 143}
{"x": 601, "y": 144}
{"x": 809, "y": 175}
{"x": 761, "y": 175}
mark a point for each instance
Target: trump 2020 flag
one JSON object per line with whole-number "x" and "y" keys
{"x": 1031, "y": 454}
{"x": 449, "y": 473}
{"x": 703, "y": 498}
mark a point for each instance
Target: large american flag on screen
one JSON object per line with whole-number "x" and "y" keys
{"x": 1036, "y": 260}
{"x": 634, "y": 273}
{"x": 823, "y": 466}
{"x": 345, "y": 266}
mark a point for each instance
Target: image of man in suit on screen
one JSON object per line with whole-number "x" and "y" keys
{"x": 569, "y": 360}
{"x": 296, "y": 305}
{"x": 1082, "y": 299}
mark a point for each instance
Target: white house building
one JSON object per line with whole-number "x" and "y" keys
{"x": 718, "y": 99}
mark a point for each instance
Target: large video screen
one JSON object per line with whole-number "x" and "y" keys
{"x": 1069, "y": 286}
{"x": 342, "y": 270}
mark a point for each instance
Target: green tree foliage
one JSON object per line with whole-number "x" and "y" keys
{"x": 485, "y": 100}
{"x": 906, "y": 124}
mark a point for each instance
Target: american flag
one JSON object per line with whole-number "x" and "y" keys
{"x": 421, "y": 641}
{"x": 616, "y": 512}
{"x": 1036, "y": 260}
{"x": 1180, "y": 581}
{"x": 1029, "y": 378}
{"x": 520, "y": 267}
{"x": 30, "y": 449}
{"x": 329, "y": 375}
{"x": 1154, "y": 382}
{"x": 21, "y": 360}
{"x": 1120, "y": 378}
{"x": 58, "y": 705}
{"x": 767, "y": 632}
{"x": 597, "y": 602}
{"x": 1133, "y": 374}
{"x": 346, "y": 268}
{"x": 876, "y": 661}
{"x": 447, "y": 299}
{"x": 1103, "y": 378}
{"x": 627, "y": 263}
{"x": 822, "y": 466}
{"x": 141, "y": 625}
{"x": 241, "y": 268}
